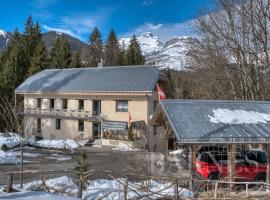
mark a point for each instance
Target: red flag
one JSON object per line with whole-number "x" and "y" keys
{"x": 161, "y": 94}
{"x": 129, "y": 118}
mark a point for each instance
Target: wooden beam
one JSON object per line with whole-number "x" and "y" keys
{"x": 192, "y": 150}
{"x": 266, "y": 148}
{"x": 232, "y": 148}
{"x": 166, "y": 141}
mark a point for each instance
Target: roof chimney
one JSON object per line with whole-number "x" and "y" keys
{"x": 100, "y": 65}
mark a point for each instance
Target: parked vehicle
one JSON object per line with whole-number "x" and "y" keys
{"x": 249, "y": 166}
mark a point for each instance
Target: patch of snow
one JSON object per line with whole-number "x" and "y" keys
{"x": 68, "y": 144}
{"x": 27, "y": 154}
{"x": 125, "y": 147}
{"x": 8, "y": 158}
{"x": 226, "y": 116}
{"x": 3, "y": 33}
{"x": 178, "y": 151}
{"x": 10, "y": 139}
{"x": 59, "y": 157}
{"x": 101, "y": 187}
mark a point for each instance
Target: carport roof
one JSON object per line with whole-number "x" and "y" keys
{"x": 203, "y": 121}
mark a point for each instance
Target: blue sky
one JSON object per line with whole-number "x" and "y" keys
{"x": 165, "y": 18}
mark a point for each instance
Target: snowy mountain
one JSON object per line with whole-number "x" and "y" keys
{"x": 4, "y": 38}
{"x": 170, "y": 54}
{"x": 149, "y": 43}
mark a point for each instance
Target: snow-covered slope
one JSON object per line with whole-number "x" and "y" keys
{"x": 172, "y": 54}
{"x": 149, "y": 43}
{"x": 4, "y": 38}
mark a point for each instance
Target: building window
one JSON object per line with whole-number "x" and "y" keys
{"x": 57, "y": 124}
{"x": 80, "y": 125}
{"x": 155, "y": 130}
{"x": 51, "y": 103}
{"x": 38, "y": 125}
{"x": 121, "y": 106}
{"x": 64, "y": 104}
{"x": 80, "y": 104}
{"x": 38, "y": 102}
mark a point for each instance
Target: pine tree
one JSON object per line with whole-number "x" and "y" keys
{"x": 83, "y": 165}
{"x": 95, "y": 48}
{"x": 13, "y": 60}
{"x": 31, "y": 39}
{"x": 112, "y": 50}
{"x": 39, "y": 61}
{"x": 134, "y": 54}
{"x": 60, "y": 54}
{"x": 76, "y": 60}
{"x": 121, "y": 58}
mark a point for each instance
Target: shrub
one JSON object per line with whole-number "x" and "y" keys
{"x": 4, "y": 148}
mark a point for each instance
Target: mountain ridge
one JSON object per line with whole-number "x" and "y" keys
{"x": 169, "y": 54}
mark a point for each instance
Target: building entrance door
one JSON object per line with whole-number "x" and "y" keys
{"x": 96, "y": 130}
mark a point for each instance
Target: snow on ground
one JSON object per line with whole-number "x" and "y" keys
{"x": 37, "y": 195}
{"x": 124, "y": 147}
{"x": 97, "y": 188}
{"x": 59, "y": 157}
{"x": 8, "y": 158}
{"x": 10, "y": 139}
{"x": 56, "y": 144}
{"x": 178, "y": 151}
{"x": 227, "y": 116}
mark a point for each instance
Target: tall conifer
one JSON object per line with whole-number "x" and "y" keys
{"x": 134, "y": 54}
{"x": 95, "y": 48}
{"x": 112, "y": 50}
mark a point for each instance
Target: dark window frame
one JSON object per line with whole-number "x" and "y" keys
{"x": 122, "y": 109}
{"x": 52, "y": 103}
{"x": 39, "y": 101}
{"x": 80, "y": 125}
{"x": 80, "y": 104}
{"x": 58, "y": 124}
{"x": 64, "y": 104}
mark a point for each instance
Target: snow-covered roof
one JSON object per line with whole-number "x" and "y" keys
{"x": 202, "y": 121}
{"x": 93, "y": 79}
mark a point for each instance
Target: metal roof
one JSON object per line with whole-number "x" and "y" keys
{"x": 190, "y": 121}
{"x": 94, "y": 79}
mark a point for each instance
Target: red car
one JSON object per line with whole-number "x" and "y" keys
{"x": 250, "y": 166}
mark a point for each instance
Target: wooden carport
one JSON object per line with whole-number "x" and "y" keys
{"x": 229, "y": 123}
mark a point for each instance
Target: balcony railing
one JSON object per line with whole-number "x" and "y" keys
{"x": 72, "y": 114}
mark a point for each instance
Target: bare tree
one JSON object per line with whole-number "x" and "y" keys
{"x": 237, "y": 32}
{"x": 15, "y": 122}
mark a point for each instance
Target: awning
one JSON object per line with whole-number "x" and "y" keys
{"x": 114, "y": 126}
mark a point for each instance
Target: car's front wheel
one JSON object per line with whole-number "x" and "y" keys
{"x": 214, "y": 176}
{"x": 260, "y": 177}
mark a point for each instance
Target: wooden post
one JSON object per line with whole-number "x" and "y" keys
{"x": 166, "y": 141}
{"x": 266, "y": 148}
{"x": 216, "y": 190}
{"x": 126, "y": 189}
{"x": 80, "y": 190}
{"x": 231, "y": 163}
{"x": 247, "y": 191}
{"x": 175, "y": 190}
{"x": 10, "y": 183}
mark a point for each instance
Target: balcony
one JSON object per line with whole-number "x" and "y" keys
{"x": 65, "y": 114}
